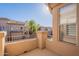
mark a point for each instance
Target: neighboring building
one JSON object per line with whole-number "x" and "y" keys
{"x": 50, "y": 32}
{"x": 14, "y": 29}
{"x": 3, "y": 24}
{"x": 65, "y": 28}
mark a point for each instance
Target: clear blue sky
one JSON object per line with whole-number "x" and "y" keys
{"x": 23, "y": 12}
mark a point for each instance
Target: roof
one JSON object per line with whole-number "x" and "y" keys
{"x": 4, "y": 19}
{"x": 15, "y": 22}
{"x": 11, "y": 21}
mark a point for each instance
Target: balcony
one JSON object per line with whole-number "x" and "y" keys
{"x": 29, "y": 46}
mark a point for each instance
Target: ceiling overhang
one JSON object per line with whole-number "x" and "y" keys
{"x": 52, "y": 5}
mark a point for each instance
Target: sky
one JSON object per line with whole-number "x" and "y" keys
{"x": 23, "y": 12}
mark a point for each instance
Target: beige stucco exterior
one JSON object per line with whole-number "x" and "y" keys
{"x": 2, "y": 41}
{"x": 61, "y": 48}
{"x": 56, "y": 45}
{"x": 19, "y": 47}
{"x": 42, "y": 37}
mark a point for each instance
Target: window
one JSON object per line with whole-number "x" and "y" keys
{"x": 21, "y": 28}
{"x": 68, "y": 23}
{"x": 71, "y": 29}
{"x": 0, "y": 28}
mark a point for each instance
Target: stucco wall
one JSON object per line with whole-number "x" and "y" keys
{"x": 1, "y": 36}
{"x": 42, "y": 36}
{"x": 62, "y": 48}
{"x": 2, "y": 41}
{"x": 19, "y": 47}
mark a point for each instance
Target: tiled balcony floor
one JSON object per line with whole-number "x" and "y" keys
{"x": 40, "y": 52}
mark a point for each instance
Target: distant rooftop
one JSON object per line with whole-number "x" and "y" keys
{"x": 4, "y": 19}
{"x": 15, "y": 22}
{"x": 11, "y": 21}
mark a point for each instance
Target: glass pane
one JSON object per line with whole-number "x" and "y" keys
{"x": 68, "y": 23}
